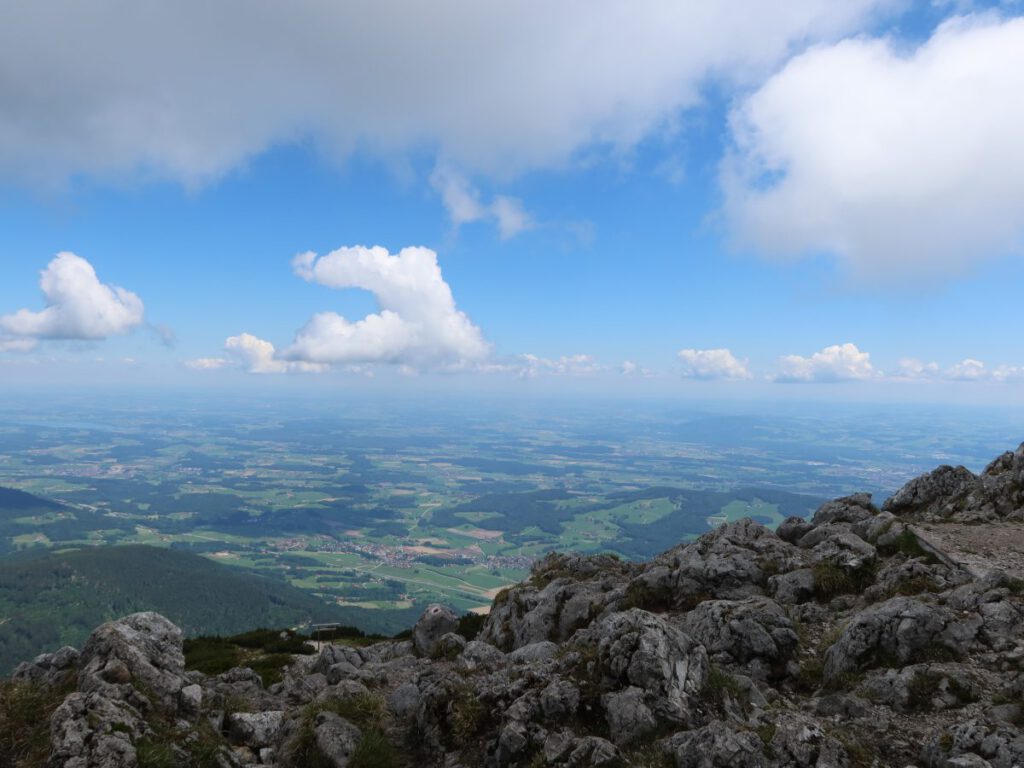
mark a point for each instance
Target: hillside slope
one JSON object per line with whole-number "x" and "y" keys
{"x": 57, "y": 598}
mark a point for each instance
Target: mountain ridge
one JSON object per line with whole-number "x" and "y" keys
{"x": 845, "y": 640}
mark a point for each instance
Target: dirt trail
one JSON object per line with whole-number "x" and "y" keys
{"x": 978, "y": 548}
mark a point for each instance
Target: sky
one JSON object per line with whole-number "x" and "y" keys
{"x": 809, "y": 200}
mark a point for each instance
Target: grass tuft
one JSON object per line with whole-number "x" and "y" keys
{"x": 831, "y": 580}
{"x": 25, "y": 710}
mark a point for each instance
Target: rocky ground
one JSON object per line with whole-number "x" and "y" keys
{"x": 862, "y": 637}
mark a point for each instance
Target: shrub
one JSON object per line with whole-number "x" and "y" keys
{"x": 374, "y": 751}
{"x": 165, "y": 747}
{"x": 915, "y": 586}
{"x": 271, "y": 667}
{"x": 906, "y": 543}
{"x": 830, "y": 579}
{"x": 810, "y": 676}
{"x": 719, "y": 687}
{"x": 922, "y": 688}
{"x": 639, "y": 594}
{"x": 467, "y": 717}
{"x": 274, "y": 641}
{"x": 366, "y": 711}
{"x": 211, "y": 655}
{"x": 470, "y": 625}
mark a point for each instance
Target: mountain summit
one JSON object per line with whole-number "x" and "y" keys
{"x": 862, "y": 637}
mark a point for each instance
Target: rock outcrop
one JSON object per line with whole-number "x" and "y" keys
{"x": 837, "y": 641}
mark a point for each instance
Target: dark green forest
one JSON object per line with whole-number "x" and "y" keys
{"x": 58, "y": 598}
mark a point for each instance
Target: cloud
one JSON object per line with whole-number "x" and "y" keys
{"x": 1008, "y": 373}
{"x": 207, "y": 363}
{"x": 257, "y": 355}
{"x": 418, "y": 325}
{"x": 970, "y": 369}
{"x": 912, "y": 368}
{"x": 967, "y": 369}
{"x": 840, "y": 362}
{"x": 632, "y": 369}
{"x": 512, "y": 218}
{"x": 462, "y": 201}
{"x": 710, "y": 364}
{"x": 902, "y": 164}
{"x": 17, "y": 345}
{"x": 191, "y": 89}
{"x": 78, "y": 306}
{"x": 164, "y": 333}
{"x": 532, "y": 366}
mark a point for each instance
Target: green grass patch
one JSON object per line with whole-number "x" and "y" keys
{"x": 719, "y": 687}
{"x": 265, "y": 651}
{"x": 367, "y": 712}
{"x": 907, "y": 544}
{"x": 831, "y": 580}
{"x": 25, "y": 710}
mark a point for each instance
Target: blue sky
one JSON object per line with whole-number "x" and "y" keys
{"x": 823, "y": 202}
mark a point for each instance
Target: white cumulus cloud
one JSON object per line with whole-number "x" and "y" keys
{"x": 258, "y": 355}
{"x": 901, "y": 163}
{"x": 78, "y": 307}
{"x": 840, "y": 362}
{"x": 711, "y": 364}
{"x": 418, "y": 325}
{"x": 190, "y": 89}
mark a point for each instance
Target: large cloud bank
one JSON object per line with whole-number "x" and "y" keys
{"x": 900, "y": 163}
{"x": 188, "y": 90}
{"x": 78, "y": 307}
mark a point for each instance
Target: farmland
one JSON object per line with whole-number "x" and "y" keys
{"x": 390, "y": 509}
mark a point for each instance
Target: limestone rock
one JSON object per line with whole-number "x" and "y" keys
{"x": 849, "y": 509}
{"x": 565, "y": 593}
{"x": 1000, "y": 746}
{"x": 90, "y": 730}
{"x": 718, "y": 745}
{"x": 436, "y": 621}
{"x": 800, "y": 741}
{"x": 732, "y": 562}
{"x": 336, "y": 738}
{"x": 478, "y": 654}
{"x": 792, "y": 588}
{"x": 637, "y": 648}
{"x": 143, "y": 650}
{"x": 255, "y": 729}
{"x": 629, "y": 718}
{"x": 897, "y": 630}
{"x": 957, "y": 494}
{"x": 755, "y": 633}
{"x": 48, "y": 668}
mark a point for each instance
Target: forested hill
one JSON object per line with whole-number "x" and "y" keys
{"x": 12, "y": 500}
{"x": 58, "y": 598}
